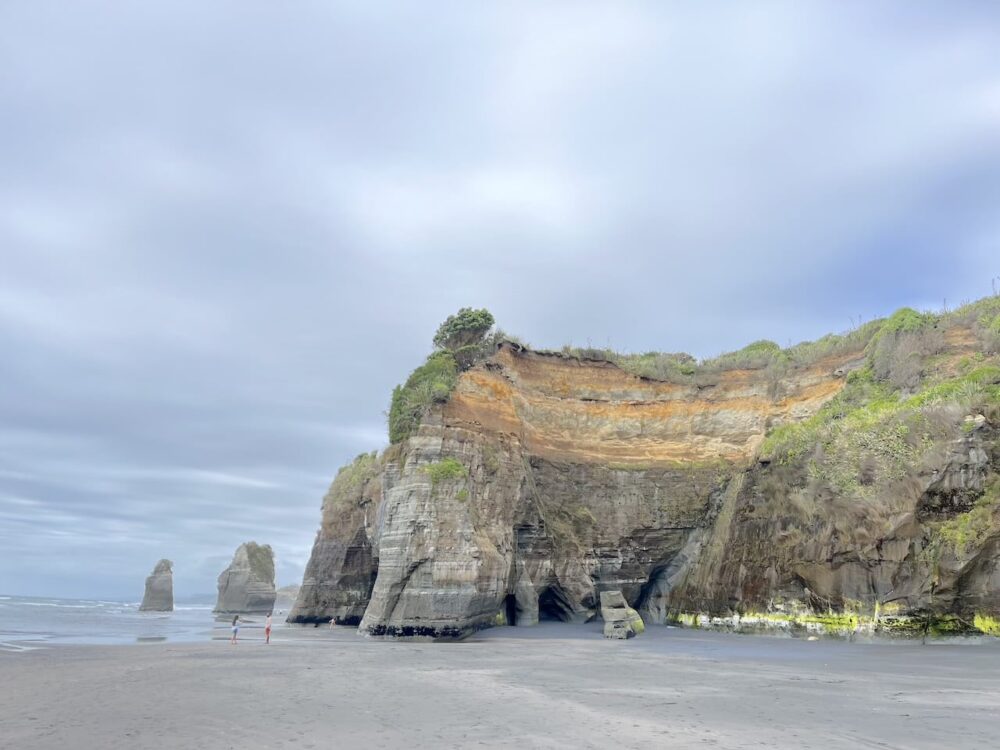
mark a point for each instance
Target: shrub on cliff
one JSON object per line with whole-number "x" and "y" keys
{"x": 900, "y": 348}
{"x": 445, "y": 470}
{"x": 430, "y": 383}
{"x": 988, "y": 328}
{"x": 673, "y": 367}
{"x": 907, "y": 320}
{"x": 755, "y": 356}
{"x": 810, "y": 352}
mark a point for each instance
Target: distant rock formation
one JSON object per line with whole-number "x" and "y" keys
{"x": 247, "y": 585}
{"x": 286, "y": 597}
{"x": 159, "y": 596}
{"x": 620, "y": 620}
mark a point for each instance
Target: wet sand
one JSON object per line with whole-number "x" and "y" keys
{"x": 548, "y": 687}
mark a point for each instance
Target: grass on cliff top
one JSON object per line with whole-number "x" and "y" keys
{"x": 906, "y": 329}
{"x": 346, "y": 490}
{"x": 430, "y": 383}
{"x": 680, "y": 367}
{"x": 350, "y": 479}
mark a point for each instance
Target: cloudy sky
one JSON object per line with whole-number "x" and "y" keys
{"x": 228, "y": 229}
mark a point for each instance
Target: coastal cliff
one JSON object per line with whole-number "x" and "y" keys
{"x": 846, "y": 483}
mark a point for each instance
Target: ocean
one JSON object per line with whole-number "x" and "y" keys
{"x": 30, "y": 622}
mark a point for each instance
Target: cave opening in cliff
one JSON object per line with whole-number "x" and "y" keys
{"x": 510, "y": 609}
{"x": 554, "y": 606}
{"x": 653, "y": 587}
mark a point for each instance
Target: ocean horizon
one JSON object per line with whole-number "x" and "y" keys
{"x": 28, "y": 622}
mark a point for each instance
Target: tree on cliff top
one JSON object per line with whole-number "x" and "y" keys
{"x": 464, "y": 328}
{"x": 463, "y": 334}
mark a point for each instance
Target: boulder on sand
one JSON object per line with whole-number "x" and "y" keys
{"x": 620, "y": 620}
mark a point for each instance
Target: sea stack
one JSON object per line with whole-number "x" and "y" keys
{"x": 159, "y": 596}
{"x": 246, "y": 587}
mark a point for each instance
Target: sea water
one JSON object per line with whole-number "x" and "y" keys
{"x": 28, "y": 621}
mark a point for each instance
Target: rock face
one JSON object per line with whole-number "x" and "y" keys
{"x": 159, "y": 596}
{"x": 247, "y": 585}
{"x": 341, "y": 572}
{"x": 620, "y": 620}
{"x": 547, "y": 480}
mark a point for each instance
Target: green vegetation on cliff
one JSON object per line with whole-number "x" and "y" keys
{"x": 261, "y": 561}
{"x": 868, "y": 405}
{"x": 988, "y": 625}
{"x": 346, "y": 493}
{"x": 885, "y": 407}
{"x": 352, "y": 478}
{"x": 430, "y": 383}
{"x": 444, "y": 470}
{"x": 682, "y": 368}
{"x": 898, "y": 351}
{"x": 871, "y": 432}
{"x": 968, "y": 531}
{"x": 895, "y": 347}
{"x": 461, "y": 341}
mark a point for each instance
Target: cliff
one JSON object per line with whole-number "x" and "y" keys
{"x": 159, "y": 594}
{"x": 247, "y": 585}
{"x": 847, "y": 481}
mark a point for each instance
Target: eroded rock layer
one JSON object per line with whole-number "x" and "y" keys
{"x": 548, "y": 479}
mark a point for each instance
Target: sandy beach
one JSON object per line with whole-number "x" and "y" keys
{"x": 548, "y": 687}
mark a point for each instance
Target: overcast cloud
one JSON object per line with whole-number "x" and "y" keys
{"x": 228, "y": 229}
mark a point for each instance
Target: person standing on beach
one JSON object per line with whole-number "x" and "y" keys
{"x": 267, "y": 629}
{"x": 236, "y": 629}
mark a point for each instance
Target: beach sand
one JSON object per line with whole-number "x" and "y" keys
{"x": 548, "y": 687}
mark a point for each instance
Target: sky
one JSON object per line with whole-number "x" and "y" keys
{"x": 228, "y": 229}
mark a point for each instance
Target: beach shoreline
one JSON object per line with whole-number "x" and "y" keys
{"x": 552, "y": 686}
